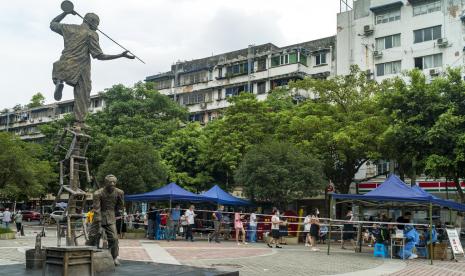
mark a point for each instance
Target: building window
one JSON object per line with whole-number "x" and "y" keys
{"x": 192, "y": 98}
{"x": 427, "y": 34}
{"x": 65, "y": 109}
{"x": 261, "y": 64}
{"x": 387, "y": 16}
{"x": 163, "y": 84}
{"x": 284, "y": 59}
{"x": 320, "y": 58}
{"x": 97, "y": 103}
{"x": 387, "y": 42}
{"x": 220, "y": 72}
{"x": 195, "y": 77}
{"x": 426, "y": 7}
{"x": 198, "y": 117}
{"x": 388, "y": 68}
{"x": 261, "y": 88}
{"x": 303, "y": 58}
{"x": 279, "y": 83}
{"x": 237, "y": 69}
{"x": 236, "y": 90}
{"x": 427, "y": 62}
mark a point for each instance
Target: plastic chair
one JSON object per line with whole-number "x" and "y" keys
{"x": 380, "y": 250}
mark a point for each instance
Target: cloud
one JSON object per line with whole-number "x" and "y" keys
{"x": 159, "y": 31}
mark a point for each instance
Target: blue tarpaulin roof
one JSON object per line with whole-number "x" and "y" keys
{"x": 167, "y": 192}
{"x": 219, "y": 196}
{"x": 394, "y": 189}
{"x": 442, "y": 202}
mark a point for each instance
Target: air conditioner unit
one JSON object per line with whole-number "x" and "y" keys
{"x": 442, "y": 42}
{"x": 369, "y": 74}
{"x": 368, "y": 29}
{"x": 433, "y": 72}
{"x": 377, "y": 54}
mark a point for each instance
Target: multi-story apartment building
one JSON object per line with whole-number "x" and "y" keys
{"x": 205, "y": 84}
{"x": 385, "y": 37}
{"x": 25, "y": 121}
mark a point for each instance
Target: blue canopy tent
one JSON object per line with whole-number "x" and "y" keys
{"x": 392, "y": 189}
{"x": 395, "y": 190}
{"x": 442, "y": 202}
{"x": 168, "y": 192}
{"x": 218, "y": 195}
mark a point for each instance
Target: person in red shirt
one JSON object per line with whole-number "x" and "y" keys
{"x": 163, "y": 221}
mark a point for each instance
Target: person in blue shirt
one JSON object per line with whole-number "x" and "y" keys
{"x": 173, "y": 222}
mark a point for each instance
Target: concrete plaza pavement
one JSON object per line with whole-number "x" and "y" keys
{"x": 251, "y": 259}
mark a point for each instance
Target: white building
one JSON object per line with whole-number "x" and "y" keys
{"x": 25, "y": 121}
{"x": 204, "y": 84}
{"x": 386, "y": 37}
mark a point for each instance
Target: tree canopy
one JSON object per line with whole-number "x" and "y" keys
{"x": 137, "y": 166}
{"x": 37, "y": 100}
{"x": 280, "y": 172}
{"x": 24, "y": 173}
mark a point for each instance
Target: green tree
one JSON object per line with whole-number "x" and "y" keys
{"x": 138, "y": 112}
{"x": 341, "y": 125}
{"x": 413, "y": 107}
{"x": 245, "y": 123}
{"x": 137, "y": 166}
{"x": 446, "y": 136}
{"x": 37, "y": 100}
{"x": 23, "y": 171}
{"x": 183, "y": 153}
{"x": 280, "y": 172}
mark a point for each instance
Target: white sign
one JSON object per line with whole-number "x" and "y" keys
{"x": 454, "y": 240}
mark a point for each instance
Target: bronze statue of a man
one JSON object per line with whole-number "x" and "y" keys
{"x": 105, "y": 203}
{"x": 73, "y": 68}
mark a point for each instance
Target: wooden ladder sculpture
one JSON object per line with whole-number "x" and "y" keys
{"x": 73, "y": 168}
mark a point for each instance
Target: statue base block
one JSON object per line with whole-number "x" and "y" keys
{"x": 103, "y": 262}
{"x": 69, "y": 261}
{"x": 35, "y": 258}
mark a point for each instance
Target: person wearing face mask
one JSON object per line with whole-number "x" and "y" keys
{"x": 106, "y": 201}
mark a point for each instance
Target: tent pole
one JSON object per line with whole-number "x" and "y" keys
{"x": 359, "y": 230}
{"x": 330, "y": 220}
{"x": 431, "y": 253}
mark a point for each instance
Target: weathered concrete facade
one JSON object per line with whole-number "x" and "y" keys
{"x": 204, "y": 84}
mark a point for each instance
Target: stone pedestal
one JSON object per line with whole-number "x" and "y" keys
{"x": 69, "y": 261}
{"x": 103, "y": 262}
{"x": 35, "y": 258}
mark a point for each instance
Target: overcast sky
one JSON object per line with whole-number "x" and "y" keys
{"x": 158, "y": 31}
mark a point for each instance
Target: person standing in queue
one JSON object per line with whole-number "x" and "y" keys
{"x": 152, "y": 220}
{"x": 190, "y": 218}
{"x": 217, "y": 221}
{"x": 314, "y": 230}
{"x": 275, "y": 222}
{"x": 348, "y": 230}
{"x": 173, "y": 222}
